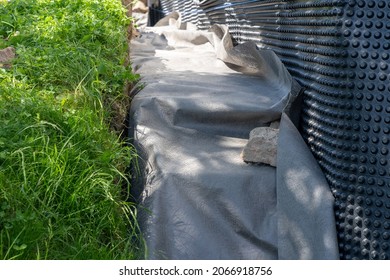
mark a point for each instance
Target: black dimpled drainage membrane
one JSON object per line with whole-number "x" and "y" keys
{"x": 339, "y": 51}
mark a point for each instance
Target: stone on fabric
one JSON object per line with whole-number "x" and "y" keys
{"x": 262, "y": 146}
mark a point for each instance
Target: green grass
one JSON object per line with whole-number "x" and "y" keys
{"x": 62, "y": 169}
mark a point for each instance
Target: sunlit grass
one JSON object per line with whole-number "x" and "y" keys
{"x": 62, "y": 170}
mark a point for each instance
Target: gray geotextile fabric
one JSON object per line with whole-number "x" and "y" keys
{"x": 198, "y": 100}
{"x": 306, "y": 228}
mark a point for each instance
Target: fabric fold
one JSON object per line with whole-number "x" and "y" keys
{"x": 306, "y": 222}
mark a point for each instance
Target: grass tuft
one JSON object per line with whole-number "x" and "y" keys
{"x": 61, "y": 166}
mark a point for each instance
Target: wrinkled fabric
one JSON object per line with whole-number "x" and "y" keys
{"x": 199, "y": 97}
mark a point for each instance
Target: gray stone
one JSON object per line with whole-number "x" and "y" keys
{"x": 262, "y": 146}
{"x": 6, "y": 56}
